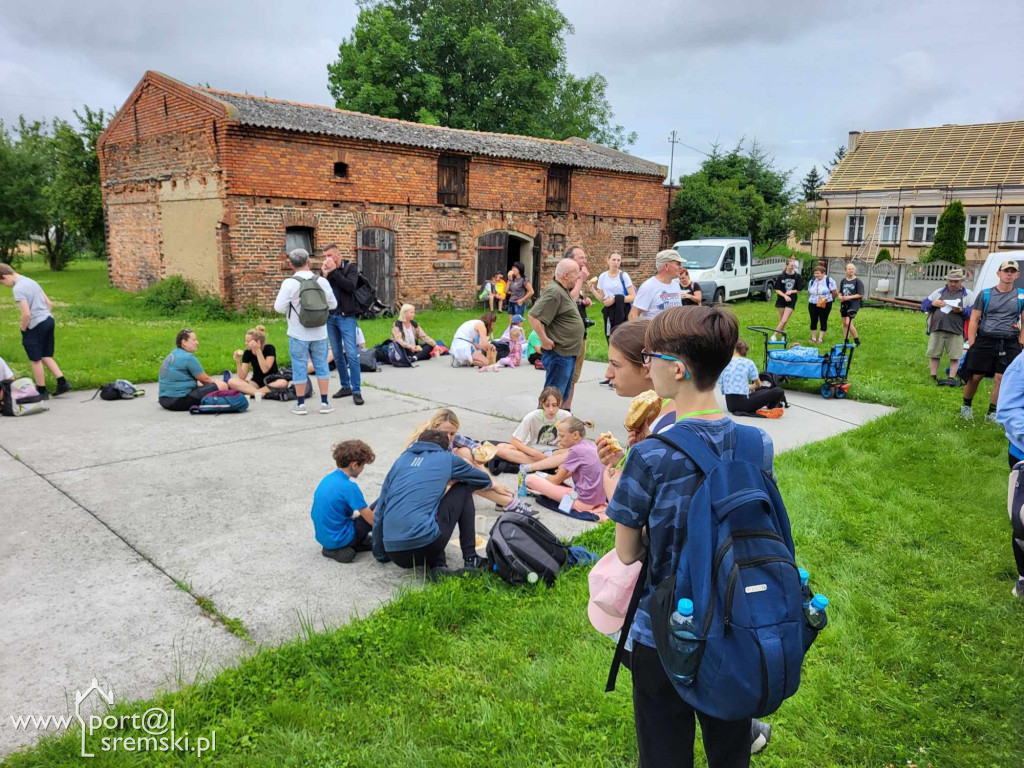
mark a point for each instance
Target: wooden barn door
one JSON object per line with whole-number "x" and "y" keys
{"x": 376, "y": 249}
{"x": 490, "y": 255}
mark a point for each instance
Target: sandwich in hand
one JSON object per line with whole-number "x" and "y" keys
{"x": 642, "y": 411}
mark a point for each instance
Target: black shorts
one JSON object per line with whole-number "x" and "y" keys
{"x": 192, "y": 398}
{"x": 845, "y": 311}
{"x": 990, "y": 355}
{"x": 780, "y": 304}
{"x": 38, "y": 341}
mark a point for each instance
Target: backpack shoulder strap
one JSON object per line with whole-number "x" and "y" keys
{"x": 627, "y": 623}
{"x": 985, "y": 296}
{"x": 1020, "y": 300}
{"x": 687, "y": 442}
{"x": 749, "y": 445}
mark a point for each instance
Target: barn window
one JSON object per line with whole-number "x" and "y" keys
{"x": 298, "y": 237}
{"x": 558, "y": 188}
{"x": 447, "y": 242}
{"x": 453, "y": 180}
{"x": 630, "y": 248}
{"x": 340, "y": 170}
{"x": 556, "y": 243}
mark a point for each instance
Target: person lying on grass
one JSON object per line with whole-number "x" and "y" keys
{"x": 446, "y": 422}
{"x": 579, "y": 463}
{"x": 342, "y": 521}
{"x": 427, "y": 493}
{"x": 182, "y": 381}
{"x": 262, "y": 358}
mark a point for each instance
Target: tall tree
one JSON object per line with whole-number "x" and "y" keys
{"x": 812, "y": 181}
{"x": 497, "y": 66}
{"x": 75, "y": 187}
{"x": 21, "y": 197}
{"x": 837, "y": 158}
{"x": 950, "y": 244}
{"x": 734, "y": 193}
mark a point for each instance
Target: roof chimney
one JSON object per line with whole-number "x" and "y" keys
{"x": 853, "y": 141}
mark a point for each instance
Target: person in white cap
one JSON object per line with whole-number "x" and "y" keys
{"x": 662, "y": 291}
{"x": 994, "y": 336}
{"x": 947, "y": 308}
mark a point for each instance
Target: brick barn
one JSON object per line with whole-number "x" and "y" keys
{"x": 218, "y": 187}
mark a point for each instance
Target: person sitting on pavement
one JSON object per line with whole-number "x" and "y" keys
{"x": 471, "y": 343}
{"x": 947, "y": 308}
{"x": 342, "y": 521}
{"x": 745, "y": 395}
{"x": 183, "y": 382}
{"x": 446, "y": 422}
{"x": 577, "y": 460}
{"x": 514, "y": 356}
{"x": 407, "y": 333}
{"x": 994, "y": 337}
{"x": 536, "y": 437}
{"x": 262, "y": 358}
{"x": 427, "y": 493}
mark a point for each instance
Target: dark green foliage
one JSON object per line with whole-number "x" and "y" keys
{"x": 812, "y": 181}
{"x": 733, "y": 194}
{"x": 949, "y": 242}
{"x": 837, "y": 158}
{"x": 498, "y": 66}
{"x": 175, "y": 296}
{"x": 442, "y": 302}
{"x": 883, "y": 255}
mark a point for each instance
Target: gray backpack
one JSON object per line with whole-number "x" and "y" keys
{"x": 313, "y": 309}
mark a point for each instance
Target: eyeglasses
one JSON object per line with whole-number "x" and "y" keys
{"x": 646, "y": 356}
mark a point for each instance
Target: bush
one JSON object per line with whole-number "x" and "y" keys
{"x": 445, "y": 303}
{"x": 883, "y": 255}
{"x": 949, "y": 242}
{"x": 176, "y": 297}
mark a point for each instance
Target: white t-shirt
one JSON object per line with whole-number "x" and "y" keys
{"x": 537, "y": 432}
{"x": 28, "y": 290}
{"x": 5, "y": 371}
{"x": 360, "y": 339}
{"x": 288, "y": 297}
{"x": 612, "y": 286}
{"x": 655, "y": 297}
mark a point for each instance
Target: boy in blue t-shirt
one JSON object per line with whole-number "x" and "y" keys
{"x": 341, "y": 518}
{"x": 688, "y": 348}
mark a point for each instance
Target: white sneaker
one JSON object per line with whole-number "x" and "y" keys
{"x": 1018, "y": 589}
{"x": 326, "y": 407}
{"x": 990, "y": 416}
{"x": 966, "y": 413}
{"x": 300, "y": 410}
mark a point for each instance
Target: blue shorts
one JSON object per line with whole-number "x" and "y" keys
{"x": 303, "y": 352}
{"x": 38, "y": 341}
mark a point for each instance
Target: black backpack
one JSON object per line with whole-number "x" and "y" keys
{"x": 520, "y": 545}
{"x": 364, "y": 294}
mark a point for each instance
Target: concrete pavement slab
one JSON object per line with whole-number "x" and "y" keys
{"x": 77, "y": 604}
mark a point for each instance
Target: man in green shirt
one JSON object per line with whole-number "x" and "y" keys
{"x": 557, "y": 322}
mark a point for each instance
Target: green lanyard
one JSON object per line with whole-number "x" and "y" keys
{"x": 698, "y": 413}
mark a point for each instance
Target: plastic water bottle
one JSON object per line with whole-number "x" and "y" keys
{"x": 521, "y": 491}
{"x": 684, "y": 638}
{"x": 805, "y": 589}
{"x": 532, "y": 577}
{"x": 815, "y": 612}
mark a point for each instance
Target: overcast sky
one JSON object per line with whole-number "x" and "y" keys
{"x": 796, "y": 75}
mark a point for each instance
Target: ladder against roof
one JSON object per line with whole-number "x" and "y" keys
{"x": 869, "y": 248}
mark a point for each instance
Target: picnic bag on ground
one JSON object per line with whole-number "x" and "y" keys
{"x": 221, "y": 401}
{"x": 738, "y": 567}
{"x": 398, "y": 356}
{"x": 282, "y": 394}
{"x": 122, "y": 389}
{"x": 368, "y": 361}
{"x": 21, "y": 398}
{"x": 313, "y": 309}
{"x": 520, "y": 545}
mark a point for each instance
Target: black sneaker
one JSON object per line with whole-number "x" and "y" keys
{"x": 856, "y": 341}
{"x": 342, "y": 555}
{"x": 62, "y": 387}
{"x": 357, "y": 398}
{"x": 43, "y": 394}
{"x": 474, "y": 563}
{"x": 760, "y": 735}
{"x": 343, "y": 392}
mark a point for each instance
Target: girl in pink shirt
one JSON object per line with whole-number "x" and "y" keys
{"x": 580, "y": 463}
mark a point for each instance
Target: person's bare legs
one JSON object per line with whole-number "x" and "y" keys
{"x": 324, "y": 385}
{"x": 38, "y": 373}
{"x": 784, "y": 314}
{"x": 479, "y": 360}
{"x": 243, "y": 385}
{"x": 994, "y": 398}
{"x": 954, "y": 367}
{"x": 515, "y": 456}
{"x": 52, "y": 366}
{"x": 933, "y": 364}
{"x": 971, "y": 387}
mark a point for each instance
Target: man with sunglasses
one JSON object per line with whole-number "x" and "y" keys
{"x": 994, "y": 337}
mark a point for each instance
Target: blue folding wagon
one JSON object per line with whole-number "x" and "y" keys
{"x": 796, "y": 362}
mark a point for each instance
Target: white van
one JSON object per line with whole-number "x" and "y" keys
{"x": 725, "y": 268}
{"x": 987, "y": 277}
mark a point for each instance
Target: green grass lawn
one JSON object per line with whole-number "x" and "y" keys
{"x": 902, "y": 523}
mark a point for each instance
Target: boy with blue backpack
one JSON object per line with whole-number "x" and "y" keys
{"x": 720, "y": 544}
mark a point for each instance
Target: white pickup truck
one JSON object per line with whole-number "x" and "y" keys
{"x": 726, "y": 270}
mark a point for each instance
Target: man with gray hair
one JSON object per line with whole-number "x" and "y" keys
{"x": 662, "y": 291}
{"x": 306, "y": 299}
{"x": 557, "y": 322}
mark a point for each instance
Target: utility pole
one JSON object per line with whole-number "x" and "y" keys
{"x": 673, "y": 139}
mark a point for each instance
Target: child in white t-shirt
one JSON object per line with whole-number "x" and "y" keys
{"x": 744, "y": 392}
{"x": 536, "y": 437}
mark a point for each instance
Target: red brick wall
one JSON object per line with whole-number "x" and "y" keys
{"x": 168, "y": 134}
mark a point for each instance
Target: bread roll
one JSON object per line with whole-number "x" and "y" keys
{"x": 611, "y": 442}
{"x": 643, "y": 410}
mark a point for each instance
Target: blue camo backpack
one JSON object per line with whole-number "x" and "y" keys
{"x": 738, "y": 567}
{"x": 221, "y": 401}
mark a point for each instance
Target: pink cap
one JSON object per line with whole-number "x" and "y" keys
{"x": 611, "y": 586}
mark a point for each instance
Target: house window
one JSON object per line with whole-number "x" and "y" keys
{"x": 1014, "y": 230}
{"x": 340, "y": 170}
{"x": 447, "y": 242}
{"x": 891, "y": 229}
{"x": 977, "y": 228}
{"x": 453, "y": 180}
{"x": 298, "y": 237}
{"x": 855, "y": 228}
{"x": 630, "y": 248}
{"x": 558, "y": 187}
{"x": 556, "y": 243}
{"x": 924, "y": 228}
